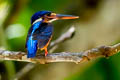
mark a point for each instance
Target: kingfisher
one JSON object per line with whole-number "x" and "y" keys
{"x": 41, "y": 30}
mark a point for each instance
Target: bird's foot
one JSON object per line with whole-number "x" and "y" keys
{"x": 46, "y": 52}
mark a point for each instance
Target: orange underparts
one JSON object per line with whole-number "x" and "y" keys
{"x": 45, "y": 47}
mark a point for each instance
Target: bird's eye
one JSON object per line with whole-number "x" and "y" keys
{"x": 48, "y": 14}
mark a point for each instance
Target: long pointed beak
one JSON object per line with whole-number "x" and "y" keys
{"x": 62, "y": 16}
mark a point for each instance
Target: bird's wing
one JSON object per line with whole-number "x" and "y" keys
{"x": 31, "y": 32}
{"x": 31, "y": 44}
{"x": 43, "y": 35}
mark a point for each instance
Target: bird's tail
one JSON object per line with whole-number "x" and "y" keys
{"x": 31, "y": 48}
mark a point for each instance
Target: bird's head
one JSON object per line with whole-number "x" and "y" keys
{"x": 48, "y": 17}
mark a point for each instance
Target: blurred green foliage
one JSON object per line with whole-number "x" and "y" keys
{"x": 104, "y": 69}
{"x": 98, "y": 25}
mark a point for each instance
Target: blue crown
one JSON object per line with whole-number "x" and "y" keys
{"x": 38, "y": 15}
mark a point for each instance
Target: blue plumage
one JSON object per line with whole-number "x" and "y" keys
{"x": 38, "y": 15}
{"x": 40, "y": 33}
{"x": 31, "y": 47}
{"x": 43, "y": 34}
{"x": 38, "y": 36}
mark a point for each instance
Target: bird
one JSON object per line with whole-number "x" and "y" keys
{"x": 41, "y": 31}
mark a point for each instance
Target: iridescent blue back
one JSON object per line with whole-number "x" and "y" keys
{"x": 38, "y": 36}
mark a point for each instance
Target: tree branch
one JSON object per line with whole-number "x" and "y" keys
{"x": 102, "y": 51}
{"x": 63, "y": 37}
{"x": 53, "y": 45}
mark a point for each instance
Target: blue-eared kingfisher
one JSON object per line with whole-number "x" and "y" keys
{"x": 41, "y": 30}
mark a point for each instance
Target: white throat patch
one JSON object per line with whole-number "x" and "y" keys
{"x": 40, "y": 19}
{"x": 52, "y": 20}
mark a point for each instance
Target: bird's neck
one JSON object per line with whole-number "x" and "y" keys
{"x": 40, "y": 24}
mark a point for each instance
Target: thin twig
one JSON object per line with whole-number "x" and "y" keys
{"x": 63, "y": 37}
{"x": 51, "y": 48}
{"x": 22, "y": 72}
